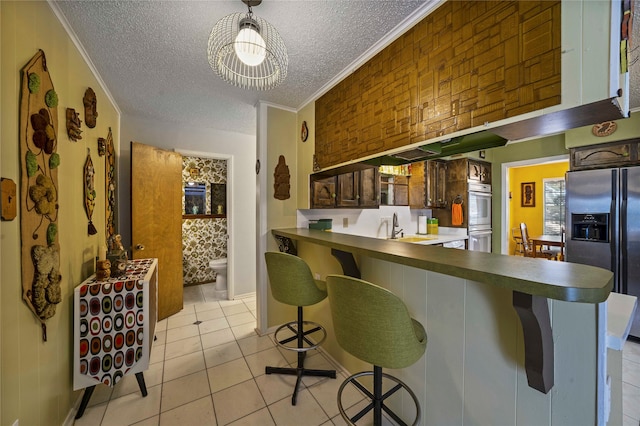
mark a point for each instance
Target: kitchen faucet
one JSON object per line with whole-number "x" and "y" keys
{"x": 394, "y": 233}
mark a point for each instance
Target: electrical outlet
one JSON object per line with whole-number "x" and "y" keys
{"x": 384, "y": 219}
{"x": 316, "y": 276}
{"x": 345, "y": 222}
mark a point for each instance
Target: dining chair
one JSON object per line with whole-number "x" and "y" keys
{"x": 516, "y": 235}
{"x": 529, "y": 249}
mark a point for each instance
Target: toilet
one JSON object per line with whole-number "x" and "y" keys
{"x": 220, "y": 268}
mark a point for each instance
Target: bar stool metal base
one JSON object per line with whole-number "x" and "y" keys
{"x": 304, "y": 344}
{"x": 377, "y": 398}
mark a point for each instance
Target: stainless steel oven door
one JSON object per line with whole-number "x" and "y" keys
{"x": 479, "y": 210}
{"x": 480, "y": 241}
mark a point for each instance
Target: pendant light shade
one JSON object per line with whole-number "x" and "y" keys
{"x": 247, "y": 51}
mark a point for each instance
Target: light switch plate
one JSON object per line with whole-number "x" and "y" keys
{"x": 9, "y": 199}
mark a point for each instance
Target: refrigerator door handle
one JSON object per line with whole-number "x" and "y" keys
{"x": 623, "y": 231}
{"x": 613, "y": 230}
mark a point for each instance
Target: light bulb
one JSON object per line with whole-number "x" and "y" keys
{"x": 250, "y": 46}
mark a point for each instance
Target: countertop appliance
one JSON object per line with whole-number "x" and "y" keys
{"x": 479, "y": 220}
{"x": 603, "y": 208}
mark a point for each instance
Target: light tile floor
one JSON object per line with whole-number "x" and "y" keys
{"x": 213, "y": 373}
{"x": 207, "y": 367}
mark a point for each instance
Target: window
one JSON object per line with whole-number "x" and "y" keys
{"x": 554, "y": 196}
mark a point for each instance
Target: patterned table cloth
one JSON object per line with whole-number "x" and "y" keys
{"x": 112, "y": 325}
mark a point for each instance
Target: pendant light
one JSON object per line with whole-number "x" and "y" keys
{"x": 247, "y": 51}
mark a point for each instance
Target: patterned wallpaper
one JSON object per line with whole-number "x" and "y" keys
{"x": 203, "y": 239}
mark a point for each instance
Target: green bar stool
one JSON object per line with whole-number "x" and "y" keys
{"x": 292, "y": 283}
{"x": 374, "y": 325}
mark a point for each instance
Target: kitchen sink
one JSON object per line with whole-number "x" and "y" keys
{"x": 415, "y": 239}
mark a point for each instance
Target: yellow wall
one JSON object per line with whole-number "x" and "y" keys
{"x": 532, "y": 216}
{"x": 36, "y": 376}
{"x": 281, "y": 140}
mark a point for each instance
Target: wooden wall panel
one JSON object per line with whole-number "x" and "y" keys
{"x": 465, "y": 64}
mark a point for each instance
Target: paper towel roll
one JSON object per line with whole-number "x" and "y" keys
{"x": 422, "y": 224}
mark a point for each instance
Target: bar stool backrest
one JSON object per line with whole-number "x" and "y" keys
{"x": 291, "y": 280}
{"x": 373, "y": 324}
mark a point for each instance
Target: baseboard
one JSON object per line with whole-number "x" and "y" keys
{"x": 244, "y": 296}
{"x": 70, "y": 419}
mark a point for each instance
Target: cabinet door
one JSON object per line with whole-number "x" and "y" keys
{"x": 401, "y": 191}
{"x": 609, "y": 155}
{"x": 479, "y": 171}
{"x": 323, "y": 193}
{"x": 369, "y": 187}
{"x": 348, "y": 190}
{"x": 435, "y": 185}
{"x": 418, "y": 185}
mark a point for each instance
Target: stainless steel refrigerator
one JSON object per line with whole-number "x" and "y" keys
{"x": 603, "y": 225}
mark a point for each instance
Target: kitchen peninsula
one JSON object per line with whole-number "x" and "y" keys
{"x": 483, "y": 365}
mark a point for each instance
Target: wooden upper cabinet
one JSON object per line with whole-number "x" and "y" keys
{"x": 427, "y": 185}
{"x": 370, "y": 187}
{"x": 356, "y": 189}
{"x": 622, "y": 153}
{"x": 465, "y": 64}
{"x": 348, "y": 194}
{"x": 479, "y": 171}
{"x": 323, "y": 193}
{"x": 436, "y": 184}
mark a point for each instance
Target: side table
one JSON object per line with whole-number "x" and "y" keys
{"x": 113, "y": 324}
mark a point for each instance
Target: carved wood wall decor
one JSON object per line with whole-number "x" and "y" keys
{"x": 281, "y": 184}
{"x": 110, "y": 190}
{"x": 90, "y": 108}
{"x": 40, "y": 250}
{"x": 73, "y": 125}
{"x": 89, "y": 192}
{"x": 465, "y": 64}
{"x": 604, "y": 129}
{"x": 102, "y": 146}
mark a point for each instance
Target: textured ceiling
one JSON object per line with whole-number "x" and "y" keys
{"x": 152, "y": 55}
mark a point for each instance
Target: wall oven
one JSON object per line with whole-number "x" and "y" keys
{"x": 479, "y": 220}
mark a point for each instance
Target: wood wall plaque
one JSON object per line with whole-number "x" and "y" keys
{"x": 39, "y": 190}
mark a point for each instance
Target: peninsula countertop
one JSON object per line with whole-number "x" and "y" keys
{"x": 538, "y": 277}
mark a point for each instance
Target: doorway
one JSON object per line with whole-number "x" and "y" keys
{"x": 532, "y": 174}
{"x": 208, "y": 227}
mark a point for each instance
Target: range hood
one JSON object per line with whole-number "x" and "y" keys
{"x": 458, "y": 145}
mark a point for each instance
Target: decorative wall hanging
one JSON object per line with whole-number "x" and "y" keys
{"x": 40, "y": 250}
{"x": 281, "y": 185}
{"x": 73, "y": 125}
{"x": 102, "y": 146}
{"x": 9, "y": 199}
{"x": 110, "y": 190}
{"x": 194, "y": 172}
{"x": 89, "y": 192}
{"x": 304, "y": 132}
{"x": 604, "y": 129}
{"x": 90, "y": 108}
{"x": 528, "y": 194}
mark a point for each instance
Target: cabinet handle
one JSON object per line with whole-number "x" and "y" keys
{"x": 139, "y": 247}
